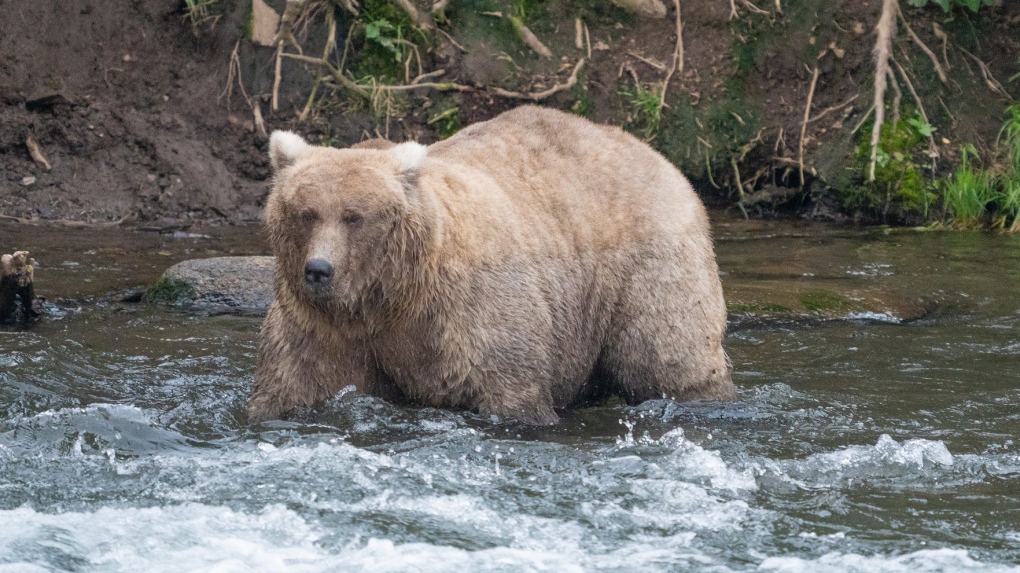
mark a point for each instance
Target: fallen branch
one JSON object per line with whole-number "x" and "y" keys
{"x": 883, "y": 49}
{"x": 924, "y": 48}
{"x": 539, "y": 96}
{"x": 803, "y": 125}
{"x": 677, "y": 66}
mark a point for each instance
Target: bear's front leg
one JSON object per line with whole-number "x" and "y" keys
{"x": 303, "y": 360}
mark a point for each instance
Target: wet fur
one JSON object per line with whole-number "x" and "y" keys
{"x": 532, "y": 262}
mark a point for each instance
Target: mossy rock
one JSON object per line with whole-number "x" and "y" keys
{"x": 169, "y": 291}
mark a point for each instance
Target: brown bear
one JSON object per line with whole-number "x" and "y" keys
{"x": 528, "y": 263}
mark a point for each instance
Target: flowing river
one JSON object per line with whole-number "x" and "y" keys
{"x": 866, "y": 441}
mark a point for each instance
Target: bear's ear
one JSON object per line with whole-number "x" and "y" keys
{"x": 284, "y": 148}
{"x": 409, "y": 154}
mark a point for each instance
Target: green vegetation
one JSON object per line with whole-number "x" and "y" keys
{"x": 168, "y": 291}
{"x": 948, "y": 5}
{"x": 978, "y": 197}
{"x": 977, "y": 194}
{"x": 391, "y": 46}
{"x": 818, "y": 300}
{"x": 643, "y": 111}
{"x": 201, "y": 13}
{"x": 446, "y": 122}
{"x": 758, "y": 308}
{"x": 900, "y": 189}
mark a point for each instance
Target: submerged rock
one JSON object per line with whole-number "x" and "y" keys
{"x": 235, "y": 283}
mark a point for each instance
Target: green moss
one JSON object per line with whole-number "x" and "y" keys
{"x": 168, "y": 291}
{"x": 818, "y": 300}
{"x": 756, "y": 308}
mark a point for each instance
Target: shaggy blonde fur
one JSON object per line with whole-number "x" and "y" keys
{"x": 532, "y": 262}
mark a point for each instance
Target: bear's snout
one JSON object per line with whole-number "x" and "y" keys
{"x": 318, "y": 273}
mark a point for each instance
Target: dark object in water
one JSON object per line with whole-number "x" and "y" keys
{"x": 17, "y": 273}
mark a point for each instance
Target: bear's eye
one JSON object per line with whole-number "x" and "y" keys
{"x": 309, "y": 216}
{"x": 351, "y": 218}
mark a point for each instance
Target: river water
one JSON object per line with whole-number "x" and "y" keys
{"x": 876, "y": 442}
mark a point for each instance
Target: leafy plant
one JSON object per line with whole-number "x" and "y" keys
{"x": 923, "y": 128}
{"x": 383, "y": 33}
{"x": 899, "y": 187}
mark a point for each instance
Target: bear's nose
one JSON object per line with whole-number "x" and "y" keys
{"x": 318, "y": 271}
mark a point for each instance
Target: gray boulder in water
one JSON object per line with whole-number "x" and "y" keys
{"x": 229, "y": 283}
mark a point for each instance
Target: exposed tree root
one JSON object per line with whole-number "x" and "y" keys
{"x": 924, "y": 48}
{"x": 883, "y": 51}
{"x": 897, "y": 96}
{"x": 539, "y": 96}
{"x": 990, "y": 81}
{"x": 803, "y": 125}
{"x": 420, "y": 20}
{"x": 836, "y": 107}
{"x": 677, "y": 66}
{"x": 917, "y": 99}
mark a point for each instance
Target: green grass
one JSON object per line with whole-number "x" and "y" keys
{"x": 968, "y": 192}
{"x": 644, "y": 113}
{"x": 977, "y": 197}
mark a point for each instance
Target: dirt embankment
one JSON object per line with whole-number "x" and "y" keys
{"x": 127, "y": 103}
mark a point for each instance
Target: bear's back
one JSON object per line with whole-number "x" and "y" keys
{"x": 596, "y": 186}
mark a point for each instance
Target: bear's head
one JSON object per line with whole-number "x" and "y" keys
{"x": 342, "y": 222}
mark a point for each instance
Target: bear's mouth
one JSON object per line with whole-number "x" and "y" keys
{"x": 320, "y": 291}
